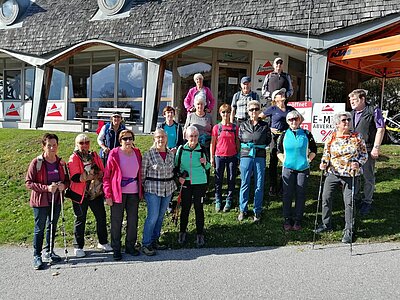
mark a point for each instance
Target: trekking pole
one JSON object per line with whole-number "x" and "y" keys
{"x": 51, "y": 225}
{"x": 352, "y": 212}
{"x": 63, "y": 227}
{"x": 316, "y": 213}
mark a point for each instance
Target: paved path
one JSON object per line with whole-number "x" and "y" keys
{"x": 292, "y": 272}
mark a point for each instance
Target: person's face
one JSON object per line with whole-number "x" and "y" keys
{"x": 169, "y": 115}
{"x": 127, "y": 140}
{"x": 280, "y": 100}
{"x": 193, "y": 138}
{"x": 246, "y": 87}
{"x": 51, "y": 147}
{"x": 116, "y": 120}
{"x": 278, "y": 66}
{"x": 199, "y": 106}
{"x": 225, "y": 114}
{"x": 254, "y": 111}
{"x": 83, "y": 145}
{"x": 199, "y": 82}
{"x": 344, "y": 123}
{"x": 294, "y": 123}
{"x": 160, "y": 140}
{"x": 357, "y": 103}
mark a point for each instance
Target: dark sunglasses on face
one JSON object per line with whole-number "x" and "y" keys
{"x": 225, "y": 112}
{"x": 345, "y": 120}
{"x": 292, "y": 119}
{"x": 254, "y": 109}
{"x": 127, "y": 138}
{"x": 84, "y": 143}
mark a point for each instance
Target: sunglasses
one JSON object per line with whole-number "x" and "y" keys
{"x": 225, "y": 112}
{"x": 254, "y": 109}
{"x": 127, "y": 138}
{"x": 84, "y": 143}
{"x": 345, "y": 120}
{"x": 293, "y": 119}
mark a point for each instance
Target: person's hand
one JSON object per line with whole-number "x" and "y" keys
{"x": 203, "y": 160}
{"x": 322, "y": 166}
{"x": 106, "y": 150}
{"x": 207, "y": 110}
{"x": 61, "y": 186}
{"x": 181, "y": 180}
{"x": 109, "y": 201}
{"x": 354, "y": 166}
{"x": 52, "y": 188}
{"x": 212, "y": 162}
{"x": 173, "y": 150}
{"x": 193, "y": 109}
{"x": 375, "y": 153}
{"x": 274, "y": 130}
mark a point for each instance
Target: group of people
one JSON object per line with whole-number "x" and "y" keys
{"x": 180, "y": 160}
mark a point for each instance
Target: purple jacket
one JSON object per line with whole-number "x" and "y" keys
{"x": 189, "y": 100}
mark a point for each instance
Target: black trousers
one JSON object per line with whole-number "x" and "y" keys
{"x": 130, "y": 203}
{"x": 99, "y": 211}
{"x": 273, "y": 164}
{"x": 193, "y": 194}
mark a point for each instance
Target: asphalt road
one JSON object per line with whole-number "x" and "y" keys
{"x": 292, "y": 272}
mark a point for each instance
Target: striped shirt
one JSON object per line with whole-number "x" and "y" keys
{"x": 154, "y": 167}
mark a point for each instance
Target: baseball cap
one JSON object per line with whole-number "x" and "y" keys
{"x": 245, "y": 79}
{"x": 276, "y": 92}
{"x": 116, "y": 113}
{"x": 277, "y": 59}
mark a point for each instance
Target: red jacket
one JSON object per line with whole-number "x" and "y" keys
{"x": 75, "y": 166}
{"x": 36, "y": 181}
{"x": 113, "y": 176}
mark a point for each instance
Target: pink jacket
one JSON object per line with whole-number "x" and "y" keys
{"x": 113, "y": 176}
{"x": 189, "y": 100}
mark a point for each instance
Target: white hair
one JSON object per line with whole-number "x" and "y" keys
{"x": 191, "y": 129}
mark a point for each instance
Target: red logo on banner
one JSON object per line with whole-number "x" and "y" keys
{"x": 12, "y": 111}
{"x": 327, "y": 108}
{"x": 54, "y": 111}
{"x": 265, "y": 69}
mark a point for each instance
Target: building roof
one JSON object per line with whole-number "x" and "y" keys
{"x": 50, "y": 25}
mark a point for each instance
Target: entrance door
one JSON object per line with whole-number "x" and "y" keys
{"x": 229, "y": 75}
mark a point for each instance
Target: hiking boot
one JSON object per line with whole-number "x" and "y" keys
{"x": 104, "y": 247}
{"x": 133, "y": 252}
{"x": 148, "y": 250}
{"x": 346, "y": 238}
{"x": 117, "y": 255}
{"x": 200, "y": 241}
{"x": 322, "y": 228}
{"x": 79, "y": 253}
{"x": 157, "y": 246}
{"x": 241, "y": 216}
{"x": 52, "y": 257}
{"x": 227, "y": 206}
{"x": 37, "y": 263}
{"x": 257, "y": 217}
{"x": 365, "y": 208}
{"x": 297, "y": 226}
{"x": 182, "y": 238}
{"x": 287, "y": 225}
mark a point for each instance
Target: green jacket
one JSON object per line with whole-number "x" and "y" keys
{"x": 190, "y": 162}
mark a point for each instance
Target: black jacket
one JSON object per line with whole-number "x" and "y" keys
{"x": 260, "y": 134}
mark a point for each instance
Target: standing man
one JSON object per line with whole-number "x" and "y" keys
{"x": 240, "y": 100}
{"x": 368, "y": 121}
{"x": 277, "y": 80}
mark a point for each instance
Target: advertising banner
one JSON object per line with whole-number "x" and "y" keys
{"x": 305, "y": 108}
{"x": 322, "y": 117}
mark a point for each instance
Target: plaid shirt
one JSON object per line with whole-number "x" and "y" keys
{"x": 239, "y": 102}
{"x": 154, "y": 166}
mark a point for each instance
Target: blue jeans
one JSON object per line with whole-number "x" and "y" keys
{"x": 248, "y": 166}
{"x": 230, "y": 163}
{"x": 42, "y": 219}
{"x": 156, "y": 208}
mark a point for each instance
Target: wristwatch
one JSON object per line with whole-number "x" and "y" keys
{"x": 377, "y": 147}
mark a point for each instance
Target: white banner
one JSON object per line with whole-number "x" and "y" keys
{"x": 322, "y": 120}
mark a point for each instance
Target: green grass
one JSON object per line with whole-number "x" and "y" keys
{"x": 19, "y": 147}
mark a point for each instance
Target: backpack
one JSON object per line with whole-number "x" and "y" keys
{"x": 220, "y": 129}
{"x": 180, "y": 151}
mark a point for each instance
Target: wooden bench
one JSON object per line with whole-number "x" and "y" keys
{"x": 94, "y": 115}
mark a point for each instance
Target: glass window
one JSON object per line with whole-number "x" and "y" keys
{"x": 104, "y": 56}
{"x": 12, "y": 84}
{"x": 9, "y": 10}
{"x": 111, "y": 7}
{"x": 1, "y": 80}
{"x": 198, "y": 53}
{"x": 167, "y": 91}
{"x": 233, "y": 56}
{"x": 80, "y": 58}
{"x": 103, "y": 82}
{"x": 29, "y": 83}
{"x": 57, "y": 84}
{"x": 131, "y": 84}
{"x": 126, "y": 55}
{"x": 79, "y": 89}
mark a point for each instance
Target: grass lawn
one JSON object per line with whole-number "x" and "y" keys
{"x": 19, "y": 147}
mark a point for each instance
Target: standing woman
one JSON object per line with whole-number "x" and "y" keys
{"x": 46, "y": 177}
{"x": 158, "y": 182}
{"x": 223, "y": 155}
{"x": 191, "y": 165}
{"x": 86, "y": 171}
{"x": 344, "y": 154}
{"x": 296, "y": 149}
{"x": 254, "y": 136}
{"x": 123, "y": 189}
{"x": 197, "y": 90}
{"x": 108, "y": 137}
{"x": 277, "y": 113}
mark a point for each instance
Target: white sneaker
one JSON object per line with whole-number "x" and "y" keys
{"x": 104, "y": 247}
{"x": 79, "y": 252}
